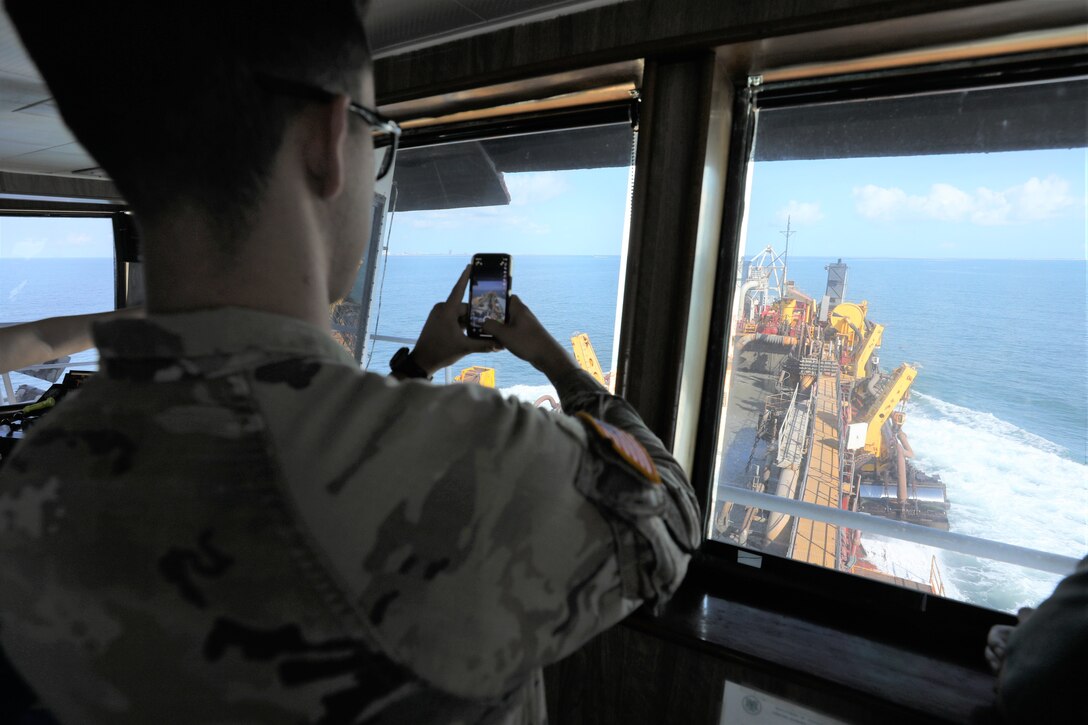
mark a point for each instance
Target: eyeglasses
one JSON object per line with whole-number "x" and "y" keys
{"x": 386, "y": 132}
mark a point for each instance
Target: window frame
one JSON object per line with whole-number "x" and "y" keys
{"x": 939, "y": 626}
{"x": 567, "y": 118}
{"x": 15, "y": 207}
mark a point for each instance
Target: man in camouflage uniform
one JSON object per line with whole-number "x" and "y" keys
{"x": 232, "y": 523}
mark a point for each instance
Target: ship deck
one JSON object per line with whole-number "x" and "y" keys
{"x": 815, "y": 542}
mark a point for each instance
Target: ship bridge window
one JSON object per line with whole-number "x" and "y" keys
{"x": 901, "y": 391}
{"x": 52, "y": 266}
{"x": 552, "y": 193}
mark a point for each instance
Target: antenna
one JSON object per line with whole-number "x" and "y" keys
{"x": 786, "y": 258}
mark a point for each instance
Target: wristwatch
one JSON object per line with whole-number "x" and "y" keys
{"x": 403, "y": 364}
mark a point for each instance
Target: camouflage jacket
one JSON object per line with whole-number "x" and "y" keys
{"x": 234, "y": 524}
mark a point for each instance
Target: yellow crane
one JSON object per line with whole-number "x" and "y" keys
{"x": 583, "y": 353}
{"x": 586, "y": 357}
{"x": 901, "y": 380}
{"x": 861, "y": 336}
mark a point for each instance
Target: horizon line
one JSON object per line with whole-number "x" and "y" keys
{"x": 575, "y": 254}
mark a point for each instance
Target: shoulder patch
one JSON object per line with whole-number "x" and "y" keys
{"x": 625, "y": 445}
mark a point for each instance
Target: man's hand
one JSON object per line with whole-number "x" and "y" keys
{"x": 442, "y": 341}
{"x": 524, "y": 336}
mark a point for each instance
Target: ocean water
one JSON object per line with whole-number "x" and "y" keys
{"x": 999, "y": 409}
{"x": 34, "y": 288}
{"x": 568, "y": 294}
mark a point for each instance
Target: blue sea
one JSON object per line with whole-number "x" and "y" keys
{"x": 999, "y": 409}
{"x": 568, "y": 295}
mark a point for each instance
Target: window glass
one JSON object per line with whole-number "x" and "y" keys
{"x": 910, "y": 335}
{"x": 49, "y": 267}
{"x": 557, "y": 202}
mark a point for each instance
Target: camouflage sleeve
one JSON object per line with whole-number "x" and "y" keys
{"x": 1043, "y": 671}
{"x": 478, "y": 538}
{"x": 656, "y": 526}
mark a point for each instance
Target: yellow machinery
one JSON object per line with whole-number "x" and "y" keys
{"x": 901, "y": 380}
{"x": 861, "y": 337}
{"x": 479, "y": 375}
{"x": 797, "y": 311}
{"x": 583, "y": 353}
{"x": 861, "y": 359}
{"x": 586, "y": 357}
{"x": 848, "y": 319}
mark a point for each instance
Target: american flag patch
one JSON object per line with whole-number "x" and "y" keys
{"x": 626, "y": 445}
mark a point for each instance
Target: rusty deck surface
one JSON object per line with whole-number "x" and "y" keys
{"x": 814, "y": 542}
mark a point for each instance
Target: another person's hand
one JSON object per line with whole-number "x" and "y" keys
{"x": 442, "y": 341}
{"x": 997, "y": 640}
{"x": 524, "y": 336}
{"x": 33, "y": 343}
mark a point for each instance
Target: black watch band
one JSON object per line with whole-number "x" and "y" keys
{"x": 403, "y": 364}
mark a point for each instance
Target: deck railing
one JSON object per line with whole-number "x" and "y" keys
{"x": 947, "y": 540}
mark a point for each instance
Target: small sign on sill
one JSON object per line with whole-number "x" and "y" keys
{"x": 744, "y": 706}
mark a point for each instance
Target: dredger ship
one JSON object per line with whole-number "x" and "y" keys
{"x": 826, "y": 423}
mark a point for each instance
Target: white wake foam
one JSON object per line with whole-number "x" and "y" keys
{"x": 530, "y": 393}
{"x": 1004, "y": 484}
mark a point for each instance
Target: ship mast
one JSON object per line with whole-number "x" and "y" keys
{"x": 785, "y": 259}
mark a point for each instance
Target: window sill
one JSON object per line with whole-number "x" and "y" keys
{"x": 840, "y": 646}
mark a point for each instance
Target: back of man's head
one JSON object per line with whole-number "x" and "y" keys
{"x": 163, "y": 94}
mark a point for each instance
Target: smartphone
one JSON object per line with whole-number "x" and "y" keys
{"x": 488, "y": 291}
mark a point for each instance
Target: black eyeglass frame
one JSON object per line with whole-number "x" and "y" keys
{"x": 375, "y": 120}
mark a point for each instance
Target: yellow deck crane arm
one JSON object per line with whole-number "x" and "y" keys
{"x": 586, "y": 357}
{"x": 861, "y": 359}
{"x": 881, "y": 410}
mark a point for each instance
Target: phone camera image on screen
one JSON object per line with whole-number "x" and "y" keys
{"x": 489, "y": 291}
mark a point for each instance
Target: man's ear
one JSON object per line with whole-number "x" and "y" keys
{"x": 326, "y": 145}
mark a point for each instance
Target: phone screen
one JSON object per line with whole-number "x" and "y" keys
{"x": 489, "y": 291}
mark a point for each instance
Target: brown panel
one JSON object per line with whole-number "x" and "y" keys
{"x": 643, "y": 671}
{"x": 640, "y": 28}
{"x": 664, "y": 222}
{"x": 60, "y": 186}
{"x": 1042, "y": 116}
{"x": 567, "y": 88}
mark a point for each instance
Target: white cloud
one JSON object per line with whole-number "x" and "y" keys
{"x": 1033, "y": 200}
{"x": 876, "y": 202}
{"x": 946, "y": 203}
{"x": 804, "y": 212}
{"x": 79, "y": 238}
{"x": 1042, "y": 199}
{"x": 992, "y": 208}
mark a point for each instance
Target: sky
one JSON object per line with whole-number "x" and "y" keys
{"x": 1010, "y": 205}
{"x": 52, "y": 237}
{"x": 550, "y": 212}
